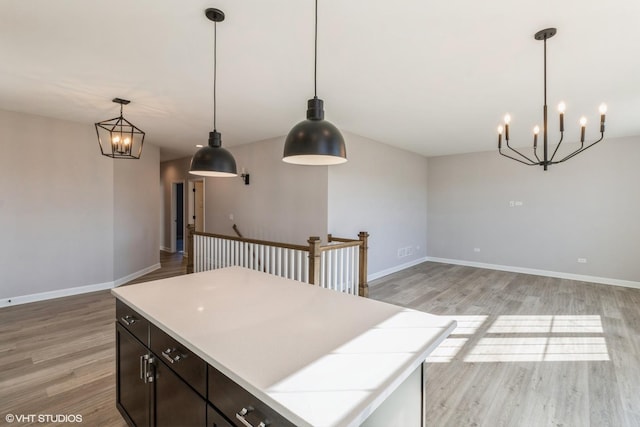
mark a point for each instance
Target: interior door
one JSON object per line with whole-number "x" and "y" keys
{"x": 199, "y": 204}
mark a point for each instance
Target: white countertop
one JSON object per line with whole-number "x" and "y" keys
{"x": 318, "y": 357}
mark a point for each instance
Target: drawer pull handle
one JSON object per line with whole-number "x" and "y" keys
{"x": 172, "y": 359}
{"x": 128, "y": 320}
{"x": 244, "y": 411}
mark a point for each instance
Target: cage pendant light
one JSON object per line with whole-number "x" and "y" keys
{"x": 213, "y": 160}
{"x": 315, "y": 141}
{"x": 118, "y": 137}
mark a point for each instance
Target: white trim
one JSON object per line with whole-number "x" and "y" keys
{"x": 24, "y": 299}
{"x": 165, "y": 249}
{"x": 546, "y": 273}
{"x": 135, "y": 275}
{"x": 386, "y": 272}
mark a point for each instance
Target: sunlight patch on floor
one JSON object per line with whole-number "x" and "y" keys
{"x": 525, "y": 338}
{"x": 538, "y": 349}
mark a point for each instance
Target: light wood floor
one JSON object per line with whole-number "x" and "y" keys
{"x": 529, "y": 350}
{"x": 57, "y": 356}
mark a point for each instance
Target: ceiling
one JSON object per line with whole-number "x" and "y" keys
{"x": 434, "y": 78}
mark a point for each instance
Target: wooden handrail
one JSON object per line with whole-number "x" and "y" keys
{"x": 347, "y": 244}
{"x": 255, "y": 241}
{"x": 332, "y": 238}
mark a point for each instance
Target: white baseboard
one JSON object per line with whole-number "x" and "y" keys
{"x": 135, "y": 275}
{"x": 386, "y": 272}
{"x": 556, "y": 274}
{"x": 23, "y": 299}
{"x": 165, "y": 249}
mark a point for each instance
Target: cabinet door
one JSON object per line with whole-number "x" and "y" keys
{"x": 176, "y": 404}
{"x": 132, "y": 393}
{"x": 214, "y": 419}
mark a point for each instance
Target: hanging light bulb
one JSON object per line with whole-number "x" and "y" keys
{"x": 315, "y": 141}
{"x": 213, "y": 160}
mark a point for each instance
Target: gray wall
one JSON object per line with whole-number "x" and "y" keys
{"x": 381, "y": 190}
{"x": 57, "y": 208}
{"x": 135, "y": 212}
{"x": 286, "y": 203}
{"x": 587, "y": 208}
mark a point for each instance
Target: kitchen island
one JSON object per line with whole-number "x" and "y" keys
{"x": 300, "y": 354}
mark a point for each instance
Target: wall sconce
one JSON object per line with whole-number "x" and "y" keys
{"x": 245, "y": 177}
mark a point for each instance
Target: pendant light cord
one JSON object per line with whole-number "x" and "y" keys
{"x": 215, "y": 66}
{"x": 315, "y": 59}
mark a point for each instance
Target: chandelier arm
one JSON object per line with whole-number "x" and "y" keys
{"x": 557, "y": 146}
{"x": 535, "y": 153}
{"x": 520, "y": 154}
{"x": 580, "y": 150}
{"x": 517, "y": 160}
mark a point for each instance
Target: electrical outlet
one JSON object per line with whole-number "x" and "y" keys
{"x": 519, "y": 203}
{"x": 512, "y": 203}
{"x": 476, "y": 249}
{"x": 582, "y": 260}
{"x": 409, "y": 250}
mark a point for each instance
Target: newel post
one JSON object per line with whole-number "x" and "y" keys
{"x": 314, "y": 260}
{"x": 191, "y": 250}
{"x": 363, "y": 286}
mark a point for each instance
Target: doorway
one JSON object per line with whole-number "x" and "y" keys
{"x": 198, "y": 195}
{"x": 195, "y": 205}
{"x": 177, "y": 217}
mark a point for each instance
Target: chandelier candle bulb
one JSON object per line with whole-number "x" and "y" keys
{"x": 507, "y": 119}
{"x": 603, "y": 112}
{"x": 536, "y": 131}
{"x": 499, "y": 137}
{"x": 583, "y": 124}
{"x": 561, "y": 108}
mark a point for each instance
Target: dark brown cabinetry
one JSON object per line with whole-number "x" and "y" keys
{"x": 149, "y": 392}
{"x": 160, "y": 383}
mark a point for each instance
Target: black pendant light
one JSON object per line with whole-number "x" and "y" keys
{"x": 213, "y": 160}
{"x": 315, "y": 141}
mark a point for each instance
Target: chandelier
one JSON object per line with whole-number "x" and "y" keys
{"x": 546, "y": 159}
{"x": 118, "y": 137}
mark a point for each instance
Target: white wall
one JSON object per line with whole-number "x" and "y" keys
{"x": 381, "y": 190}
{"x": 56, "y": 198}
{"x": 587, "y": 208}
{"x": 57, "y": 210}
{"x": 284, "y": 202}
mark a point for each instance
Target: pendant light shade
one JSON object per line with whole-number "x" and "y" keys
{"x": 213, "y": 160}
{"x": 315, "y": 141}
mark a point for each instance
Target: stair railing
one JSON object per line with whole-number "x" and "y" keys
{"x": 341, "y": 264}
